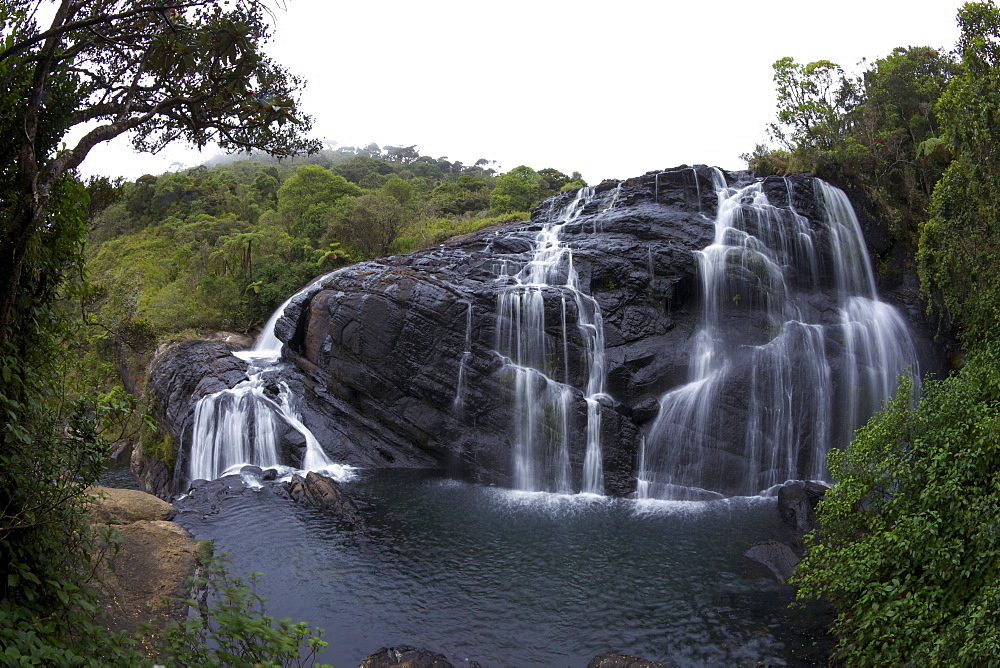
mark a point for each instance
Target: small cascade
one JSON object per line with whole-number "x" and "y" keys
{"x": 765, "y": 350}
{"x": 539, "y": 365}
{"x": 243, "y": 425}
{"x": 612, "y": 201}
{"x": 458, "y": 404}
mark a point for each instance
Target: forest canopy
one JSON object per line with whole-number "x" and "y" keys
{"x": 220, "y": 247}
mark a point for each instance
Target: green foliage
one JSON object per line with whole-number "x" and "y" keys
{"x": 221, "y": 247}
{"x": 430, "y": 231}
{"x": 812, "y": 101}
{"x": 518, "y": 190}
{"x": 909, "y": 544}
{"x": 158, "y": 444}
{"x": 877, "y": 133}
{"x": 234, "y": 628}
{"x": 51, "y": 449}
{"x": 306, "y": 197}
{"x": 370, "y": 223}
{"x": 960, "y": 243}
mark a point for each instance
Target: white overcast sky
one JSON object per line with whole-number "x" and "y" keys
{"x": 610, "y": 89}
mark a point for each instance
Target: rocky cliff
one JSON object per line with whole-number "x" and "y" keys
{"x": 396, "y": 364}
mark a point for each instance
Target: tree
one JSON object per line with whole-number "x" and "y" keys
{"x": 517, "y": 190}
{"x": 159, "y": 70}
{"x": 908, "y": 544}
{"x": 960, "y": 243}
{"x": 892, "y": 150}
{"x": 812, "y": 99}
{"x": 877, "y": 133}
{"x": 371, "y": 222}
{"x": 307, "y": 195}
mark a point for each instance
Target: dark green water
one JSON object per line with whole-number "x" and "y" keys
{"x": 513, "y": 579}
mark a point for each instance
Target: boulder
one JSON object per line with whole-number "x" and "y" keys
{"x": 322, "y": 492}
{"x": 142, "y": 580}
{"x": 407, "y": 657}
{"x": 623, "y": 661}
{"x": 779, "y": 558}
{"x": 797, "y": 504}
{"x": 121, "y": 506}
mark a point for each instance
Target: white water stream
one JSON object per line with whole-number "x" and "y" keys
{"x": 539, "y": 364}
{"x": 767, "y": 257}
{"x": 242, "y": 426}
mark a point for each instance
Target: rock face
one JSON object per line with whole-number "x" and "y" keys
{"x": 797, "y": 504}
{"x": 154, "y": 476}
{"x": 142, "y": 581}
{"x": 376, "y": 351}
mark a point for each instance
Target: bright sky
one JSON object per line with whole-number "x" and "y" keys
{"x": 612, "y": 90}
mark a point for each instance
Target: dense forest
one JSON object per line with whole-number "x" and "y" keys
{"x": 95, "y": 274}
{"x": 221, "y": 247}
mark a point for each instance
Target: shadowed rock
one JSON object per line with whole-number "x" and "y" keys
{"x": 407, "y": 657}
{"x": 797, "y": 504}
{"x": 322, "y": 492}
{"x": 778, "y": 557}
{"x": 623, "y": 661}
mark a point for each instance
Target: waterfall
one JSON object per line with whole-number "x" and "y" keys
{"x": 243, "y": 425}
{"x": 458, "y": 404}
{"x": 773, "y": 378}
{"x": 543, "y": 392}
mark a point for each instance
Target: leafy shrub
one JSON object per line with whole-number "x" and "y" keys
{"x": 234, "y": 628}
{"x": 910, "y": 538}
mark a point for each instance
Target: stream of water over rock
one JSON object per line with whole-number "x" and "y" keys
{"x": 543, "y": 393}
{"x": 798, "y": 395}
{"x": 240, "y": 426}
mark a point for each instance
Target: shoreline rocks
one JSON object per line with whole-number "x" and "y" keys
{"x": 139, "y": 584}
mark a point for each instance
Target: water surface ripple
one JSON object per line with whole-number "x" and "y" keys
{"x": 512, "y": 578}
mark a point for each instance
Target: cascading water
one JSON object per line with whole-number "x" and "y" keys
{"x": 242, "y": 425}
{"x": 544, "y": 395}
{"x": 770, "y": 370}
{"x": 458, "y": 404}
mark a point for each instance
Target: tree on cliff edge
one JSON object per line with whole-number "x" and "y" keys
{"x": 159, "y": 70}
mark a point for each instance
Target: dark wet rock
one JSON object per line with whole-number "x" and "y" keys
{"x": 794, "y": 507}
{"x": 623, "y": 661}
{"x": 210, "y": 497}
{"x": 322, "y": 492}
{"x": 183, "y": 372}
{"x": 154, "y": 477}
{"x": 797, "y": 504}
{"x": 407, "y": 657}
{"x": 815, "y": 491}
{"x": 779, "y": 558}
{"x": 374, "y": 351}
